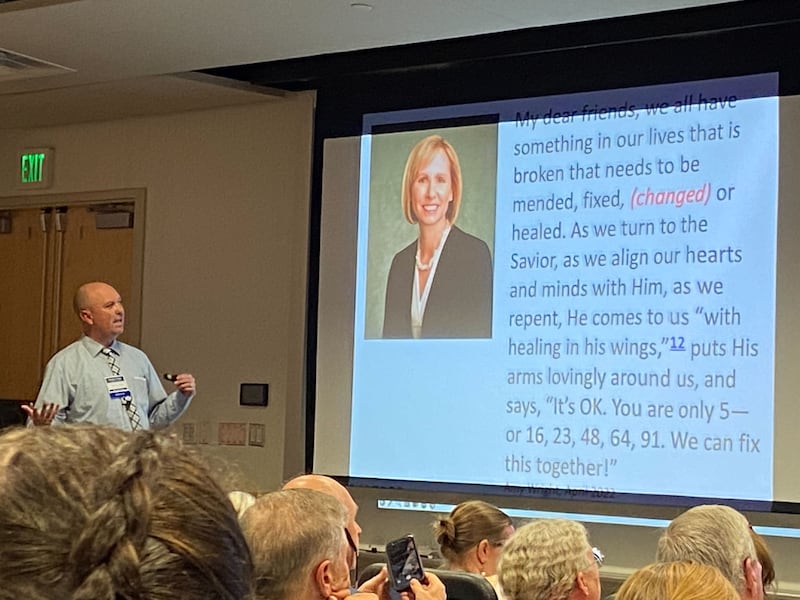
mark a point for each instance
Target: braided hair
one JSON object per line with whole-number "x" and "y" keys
{"x": 95, "y": 513}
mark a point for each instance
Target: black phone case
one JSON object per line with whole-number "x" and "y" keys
{"x": 404, "y": 562}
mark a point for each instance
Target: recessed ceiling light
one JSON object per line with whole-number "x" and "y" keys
{"x": 365, "y": 6}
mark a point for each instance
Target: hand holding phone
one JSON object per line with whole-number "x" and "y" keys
{"x": 404, "y": 563}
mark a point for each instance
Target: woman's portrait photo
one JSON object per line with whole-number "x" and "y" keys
{"x": 428, "y": 253}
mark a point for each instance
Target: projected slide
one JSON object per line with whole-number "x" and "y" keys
{"x": 585, "y": 302}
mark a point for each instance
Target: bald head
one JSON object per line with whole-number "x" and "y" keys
{"x": 331, "y": 487}
{"x": 99, "y": 307}
{"x": 320, "y": 483}
{"x": 84, "y": 294}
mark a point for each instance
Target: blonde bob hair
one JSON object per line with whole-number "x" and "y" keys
{"x": 420, "y": 155}
{"x": 543, "y": 558}
{"x": 677, "y": 581}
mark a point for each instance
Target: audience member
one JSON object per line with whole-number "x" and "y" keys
{"x": 100, "y": 380}
{"x": 331, "y": 487}
{"x": 677, "y": 581}
{"x": 298, "y": 545}
{"x": 550, "y": 560}
{"x": 432, "y": 589}
{"x": 95, "y": 513}
{"x": 472, "y": 536}
{"x": 719, "y": 536}
{"x": 765, "y": 559}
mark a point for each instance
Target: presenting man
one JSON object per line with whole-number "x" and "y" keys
{"x": 101, "y": 380}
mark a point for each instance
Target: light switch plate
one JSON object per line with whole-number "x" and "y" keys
{"x": 256, "y": 434}
{"x": 189, "y": 433}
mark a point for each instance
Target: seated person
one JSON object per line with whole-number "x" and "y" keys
{"x": 765, "y": 560}
{"x": 432, "y": 590}
{"x": 298, "y": 545}
{"x": 719, "y": 536}
{"x": 300, "y": 550}
{"x": 550, "y": 559}
{"x": 96, "y": 513}
{"x": 331, "y": 487}
{"x": 677, "y": 581}
{"x": 471, "y": 538}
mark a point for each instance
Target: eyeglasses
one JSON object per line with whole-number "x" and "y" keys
{"x": 350, "y": 541}
{"x": 599, "y": 557}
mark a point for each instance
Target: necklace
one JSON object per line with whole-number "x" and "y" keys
{"x": 421, "y": 265}
{"x": 426, "y": 266}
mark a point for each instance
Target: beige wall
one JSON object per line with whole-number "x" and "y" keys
{"x": 225, "y": 252}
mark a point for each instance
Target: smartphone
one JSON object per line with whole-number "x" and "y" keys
{"x": 403, "y": 561}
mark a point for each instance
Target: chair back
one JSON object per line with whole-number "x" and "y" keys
{"x": 458, "y": 584}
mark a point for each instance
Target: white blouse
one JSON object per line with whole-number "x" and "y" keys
{"x": 419, "y": 300}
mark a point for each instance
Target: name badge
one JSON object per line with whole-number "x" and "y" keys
{"x": 118, "y": 389}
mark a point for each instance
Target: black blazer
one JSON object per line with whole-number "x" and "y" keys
{"x": 460, "y": 301}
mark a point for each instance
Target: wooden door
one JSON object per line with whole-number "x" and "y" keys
{"x": 89, "y": 253}
{"x": 23, "y": 250}
{"x": 48, "y": 253}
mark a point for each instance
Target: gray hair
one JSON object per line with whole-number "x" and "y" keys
{"x": 290, "y": 532}
{"x": 542, "y": 558}
{"x": 711, "y": 534}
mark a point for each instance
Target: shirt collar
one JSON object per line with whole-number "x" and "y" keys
{"x": 94, "y": 347}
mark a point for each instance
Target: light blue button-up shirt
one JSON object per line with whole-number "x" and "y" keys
{"x": 75, "y": 379}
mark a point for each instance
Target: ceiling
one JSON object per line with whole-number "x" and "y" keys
{"x": 122, "y": 58}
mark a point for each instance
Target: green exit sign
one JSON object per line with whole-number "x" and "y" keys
{"x": 35, "y": 167}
